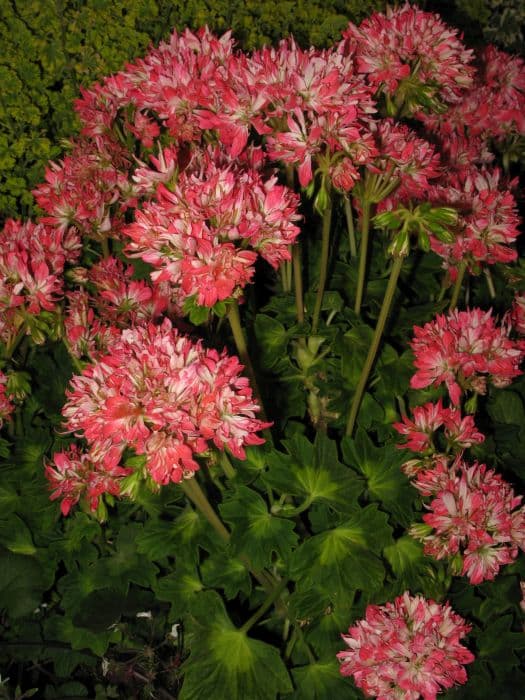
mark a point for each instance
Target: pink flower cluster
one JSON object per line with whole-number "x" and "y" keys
{"x": 459, "y": 431}
{"x": 517, "y": 313}
{"x": 488, "y": 223}
{"x": 474, "y": 518}
{"x": 487, "y": 118}
{"x": 88, "y": 190}
{"x": 110, "y": 299}
{"x": 464, "y": 350}
{"x": 412, "y": 57}
{"x": 6, "y": 406}
{"x": 492, "y": 109}
{"x": 198, "y": 233}
{"x": 405, "y": 162}
{"x": 408, "y": 649}
{"x": 161, "y": 395}
{"x": 32, "y": 260}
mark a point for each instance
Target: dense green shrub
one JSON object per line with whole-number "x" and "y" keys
{"x": 51, "y": 47}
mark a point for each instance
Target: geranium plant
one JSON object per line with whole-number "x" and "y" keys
{"x": 267, "y": 338}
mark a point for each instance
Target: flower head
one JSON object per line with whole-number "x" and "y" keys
{"x": 411, "y": 56}
{"x": 163, "y": 396}
{"x": 407, "y": 649}
{"x": 473, "y": 517}
{"x": 463, "y": 350}
{"x": 6, "y": 406}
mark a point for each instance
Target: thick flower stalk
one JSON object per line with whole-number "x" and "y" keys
{"x": 408, "y": 649}
{"x": 474, "y": 518}
{"x": 163, "y": 396}
{"x": 464, "y": 350}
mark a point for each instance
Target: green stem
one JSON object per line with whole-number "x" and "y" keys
{"x": 381, "y": 321}
{"x": 234, "y": 319}
{"x": 323, "y": 270}
{"x": 199, "y": 499}
{"x": 291, "y": 512}
{"x": 363, "y": 254}
{"x": 457, "y": 286}
{"x": 490, "y": 283}
{"x": 506, "y": 162}
{"x": 105, "y": 248}
{"x": 298, "y": 282}
{"x": 13, "y": 343}
{"x": 267, "y": 604}
{"x": 197, "y": 496}
{"x": 350, "y": 226}
{"x": 227, "y": 466}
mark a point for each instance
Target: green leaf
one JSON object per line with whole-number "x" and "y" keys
{"x": 345, "y": 557}
{"x": 226, "y": 664}
{"x": 272, "y": 340}
{"x": 158, "y": 540}
{"x": 322, "y": 681}
{"x": 256, "y": 532}
{"x": 180, "y": 588}
{"x": 22, "y": 583}
{"x": 192, "y": 531}
{"x": 126, "y": 565}
{"x": 16, "y": 536}
{"x": 356, "y": 343}
{"x": 506, "y": 407}
{"x": 100, "y": 609}
{"x": 405, "y": 556}
{"x": 64, "y": 629}
{"x": 382, "y": 468}
{"x": 497, "y": 644}
{"x": 313, "y": 473}
{"x": 221, "y": 570}
{"x": 324, "y": 633}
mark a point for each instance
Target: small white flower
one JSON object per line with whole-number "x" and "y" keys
{"x": 174, "y": 631}
{"x": 146, "y": 613}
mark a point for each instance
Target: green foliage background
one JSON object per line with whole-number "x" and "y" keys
{"x": 76, "y": 589}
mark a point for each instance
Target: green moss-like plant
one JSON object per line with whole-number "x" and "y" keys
{"x": 51, "y": 47}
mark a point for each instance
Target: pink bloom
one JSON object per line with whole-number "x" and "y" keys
{"x": 463, "y": 350}
{"x": 85, "y": 190}
{"x": 488, "y": 225}
{"x": 411, "y": 53}
{"x": 421, "y": 432}
{"x": 6, "y": 407}
{"x": 407, "y": 649}
{"x": 74, "y": 475}
{"x": 427, "y": 420}
{"x": 86, "y": 335}
{"x": 474, "y": 517}
{"x": 198, "y": 235}
{"x": 121, "y": 300}
{"x": 165, "y": 397}
{"x": 517, "y": 314}
{"x": 32, "y": 261}
{"x": 403, "y": 160}
{"x": 297, "y": 146}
